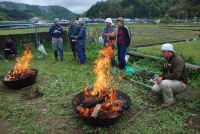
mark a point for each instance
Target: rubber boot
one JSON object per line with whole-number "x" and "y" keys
{"x": 74, "y": 53}
{"x": 56, "y": 55}
{"x": 61, "y": 55}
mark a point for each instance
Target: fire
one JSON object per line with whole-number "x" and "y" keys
{"x": 20, "y": 70}
{"x": 103, "y": 90}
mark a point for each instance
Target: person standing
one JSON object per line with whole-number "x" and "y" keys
{"x": 9, "y": 47}
{"x": 73, "y": 31}
{"x": 81, "y": 38}
{"x": 174, "y": 77}
{"x": 123, "y": 41}
{"x": 56, "y": 32}
{"x": 109, "y": 34}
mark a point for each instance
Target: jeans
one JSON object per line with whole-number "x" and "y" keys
{"x": 121, "y": 55}
{"x": 6, "y": 52}
{"x": 57, "y": 46}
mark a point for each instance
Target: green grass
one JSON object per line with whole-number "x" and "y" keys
{"x": 24, "y": 31}
{"x": 150, "y": 34}
{"x": 187, "y": 49}
{"x": 60, "y": 82}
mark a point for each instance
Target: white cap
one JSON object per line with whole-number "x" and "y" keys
{"x": 56, "y": 20}
{"x": 167, "y": 47}
{"x": 109, "y": 20}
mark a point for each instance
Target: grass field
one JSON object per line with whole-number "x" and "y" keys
{"x": 60, "y": 82}
{"x": 186, "y": 49}
{"x": 142, "y": 34}
{"x": 24, "y": 31}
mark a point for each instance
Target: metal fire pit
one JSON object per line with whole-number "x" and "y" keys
{"x": 21, "y": 83}
{"x": 99, "y": 121}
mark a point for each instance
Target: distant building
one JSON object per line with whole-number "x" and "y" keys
{"x": 157, "y": 21}
{"x": 129, "y": 21}
{"x": 99, "y": 20}
{"x": 35, "y": 19}
{"x": 85, "y": 19}
{"x": 38, "y": 20}
{"x": 65, "y": 21}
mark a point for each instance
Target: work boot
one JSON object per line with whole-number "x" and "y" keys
{"x": 56, "y": 56}
{"x": 74, "y": 53}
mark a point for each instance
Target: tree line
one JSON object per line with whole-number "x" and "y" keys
{"x": 145, "y": 9}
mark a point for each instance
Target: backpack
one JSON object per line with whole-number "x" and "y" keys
{"x": 129, "y": 36}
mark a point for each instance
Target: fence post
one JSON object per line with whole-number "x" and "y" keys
{"x": 88, "y": 34}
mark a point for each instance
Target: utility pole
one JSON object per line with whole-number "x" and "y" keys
{"x": 88, "y": 33}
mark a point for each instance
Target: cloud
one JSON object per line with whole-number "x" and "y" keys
{"x": 77, "y": 6}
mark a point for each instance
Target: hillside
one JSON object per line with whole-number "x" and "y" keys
{"x": 131, "y": 8}
{"x": 20, "y": 11}
{"x": 187, "y": 8}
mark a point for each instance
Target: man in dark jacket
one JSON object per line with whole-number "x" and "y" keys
{"x": 73, "y": 31}
{"x": 9, "y": 47}
{"x": 174, "y": 77}
{"x": 81, "y": 38}
{"x": 123, "y": 41}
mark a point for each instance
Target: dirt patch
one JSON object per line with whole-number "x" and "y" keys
{"x": 29, "y": 94}
{"x": 188, "y": 93}
{"x": 4, "y": 125}
{"x": 60, "y": 125}
{"x": 194, "y": 122}
{"x": 9, "y": 90}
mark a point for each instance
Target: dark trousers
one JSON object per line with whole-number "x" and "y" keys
{"x": 81, "y": 53}
{"x": 73, "y": 48}
{"x": 113, "y": 58}
{"x": 121, "y": 55}
{"x": 13, "y": 51}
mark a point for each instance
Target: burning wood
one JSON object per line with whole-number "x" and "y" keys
{"x": 21, "y": 76}
{"x": 96, "y": 110}
{"x": 93, "y": 102}
{"x": 102, "y": 101}
{"x": 21, "y": 69}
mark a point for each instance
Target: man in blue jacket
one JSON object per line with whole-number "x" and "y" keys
{"x": 73, "y": 31}
{"x": 81, "y": 38}
{"x": 56, "y": 32}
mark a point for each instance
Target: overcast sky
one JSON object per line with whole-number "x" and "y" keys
{"x": 77, "y": 6}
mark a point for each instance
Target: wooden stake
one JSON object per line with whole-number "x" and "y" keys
{"x": 96, "y": 110}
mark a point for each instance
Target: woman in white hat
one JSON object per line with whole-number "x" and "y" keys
{"x": 109, "y": 34}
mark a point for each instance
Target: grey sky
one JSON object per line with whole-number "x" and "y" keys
{"x": 77, "y": 6}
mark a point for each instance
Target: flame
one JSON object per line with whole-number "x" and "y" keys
{"x": 21, "y": 67}
{"x": 103, "y": 86}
